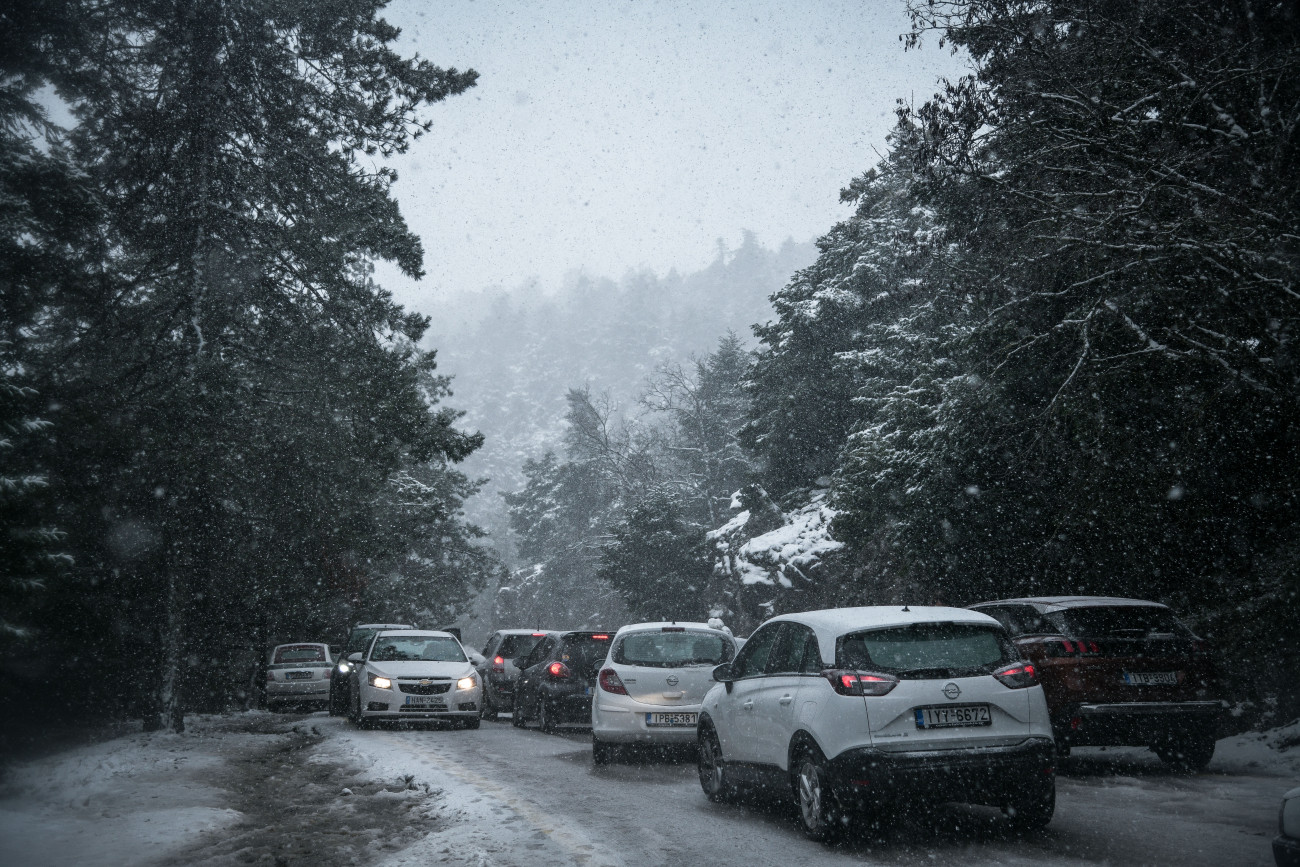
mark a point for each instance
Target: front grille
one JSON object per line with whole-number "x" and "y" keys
{"x": 424, "y": 689}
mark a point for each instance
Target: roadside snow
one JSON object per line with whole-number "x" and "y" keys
{"x": 133, "y": 800}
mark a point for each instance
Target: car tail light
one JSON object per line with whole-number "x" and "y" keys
{"x": 539, "y": 635}
{"x": 499, "y": 664}
{"x": 557, "y": 669}
{"x": 610, "y": 682}
{"x": 1017, "y": 675}
{"x": 1071, "y": 647}
{"x": 860, "y": 682}
{"x": 600, "y": 637}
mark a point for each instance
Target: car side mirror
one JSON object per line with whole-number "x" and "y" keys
{"x": 355, "y": 657}
{"x": 722, "y": 673}
{"x": 476, "y": 659}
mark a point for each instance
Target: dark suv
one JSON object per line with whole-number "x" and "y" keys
{"x": 557, "y": 679}
{"x": 358, "y": 641}
{"x": 1120, "y": 672}
{"x": 505, "y": 648}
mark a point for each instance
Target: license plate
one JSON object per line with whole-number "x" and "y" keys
{"x": 1151, "y": 678}
{"x": 670, "y": 719}
{"x": 297, "y": 675}
{"x": 958, "y": 715}
{"x": 433, "y": 702}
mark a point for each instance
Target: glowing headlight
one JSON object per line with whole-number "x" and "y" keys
{"x": 380, "y": 682}
{"x": 467, "y": 682}
{"x": 344, "y": 668}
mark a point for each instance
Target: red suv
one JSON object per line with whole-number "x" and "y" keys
{"x": 1120, "y": 672}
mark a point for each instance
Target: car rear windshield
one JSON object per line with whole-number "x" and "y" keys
{"x": 1117, "y": 621}
{"x": 514, "y": 646}
{"x": 672, "y": 649}
{"x": 299, "y": 653}
{"x": 584, "y": 653}
{"x": 409, "y": 648}
{"x": 922, "y": 650}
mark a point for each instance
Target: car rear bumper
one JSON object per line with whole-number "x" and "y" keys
{"x": 312, "y": 690}
{"x": 623, "y": 720}
{"x": 1136, "y": 723}
{"x": 502, "y": 695}
{"x": 981, "y": 775}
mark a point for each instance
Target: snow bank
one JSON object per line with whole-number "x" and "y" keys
{"x": 136, "y": 800}
{"x": 1275, "y": 751}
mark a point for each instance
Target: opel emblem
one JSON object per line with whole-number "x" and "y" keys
{"x": 951, "y": 691}
{"x": 672, "y": 680}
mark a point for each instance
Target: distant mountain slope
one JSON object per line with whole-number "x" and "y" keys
{"x": 513, "y": 355}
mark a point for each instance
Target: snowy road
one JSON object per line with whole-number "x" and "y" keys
{"x": 515, "y": 797}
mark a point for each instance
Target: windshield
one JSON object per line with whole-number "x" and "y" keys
{"x": 926, "y": 650}
{"x": 672, "y": 649}
{"x": 415, "y": 648}
{"x": 513, "y": 646}
{"x": 1126, "y": 621}
{"x": 359, "y": 639}
{"x": 299, "y": 653}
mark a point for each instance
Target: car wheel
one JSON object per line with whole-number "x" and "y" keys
{"x": 714, "y": 779}
{"x": 517, "y": 715}
{"x": 1191, "y": 753}
{"x": 602, "y": 753}
{"x": 338, "y": 704}
{"x": 472, "y": 723}
{"x": 818, "y": 807}
{"x": 275, "y": 707}
{"x": 489, "y": 709}
{"x": 1031, "y": 811}
{"x": 545, "y": 718}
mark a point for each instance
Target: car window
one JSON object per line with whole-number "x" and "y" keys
{"x": 299, "y": 653}
{"x": 791, "y": 648}
{"x": 921, "y": 650}
{"x": 358, "y": 640}
{"x": 1118, "y": 621}
{"x": 658, "y": 649}
{"x": 540, "y": 652}
{"x": 752, "y": 659}
{"x": 414, "y": 648}
{"x": 584, "y": 653}
{"x": 514, "y": 646}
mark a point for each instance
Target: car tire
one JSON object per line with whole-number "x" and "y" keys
{"x": 471, "y": 723}
{"x": 338, "y": 703}
{"x": 1191, "y": 753}
{"x": 489, "y": 709}
{"x": 602, "y": 752}
{"x": 517, "y": 716}
{"x": 714, "y": 778}
{"x": 275, "y": 707}
{"x": 1031, "y": 811}
{"x": 545, "y": 718}
{"x": 819, "y": 812}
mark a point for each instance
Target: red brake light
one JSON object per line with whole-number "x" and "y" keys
{"x": 557, "y": 669}
{"x": 498, "y": 663}
{"x": 601, "y": 637}
{"x": 1017, "y": 675}
{"x": 610, "y": 682}
{"x": 539, "y": 635}
{"x": 861, "y": 682}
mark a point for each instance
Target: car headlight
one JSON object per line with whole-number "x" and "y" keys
{"x": 344, "y": 668}
{"x": 380, "y": 682}
{"x": 467, "y": 682}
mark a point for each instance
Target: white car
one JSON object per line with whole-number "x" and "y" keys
{"x": 412, "y": 674}
{"x": 856, "y": 709}
{"x": 298, "y": 674}
{"x": 650, "y": 688}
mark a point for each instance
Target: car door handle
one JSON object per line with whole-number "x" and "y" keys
{"x": 785, "y": 699}
{"x": 749, "y": 705}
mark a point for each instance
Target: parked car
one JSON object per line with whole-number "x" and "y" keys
{"x": 358, "y": 640}
{"x": 1119, "y": 672}
{"x": 298, "y": 674}
{"x": 409, "y": 674}
{"x": 503, "y": 650}
{"x": 557, "y": 678}
{"x": 1286, "y": 845}
{"x": 854, "y": 709}
{"x": 652, "y": 684}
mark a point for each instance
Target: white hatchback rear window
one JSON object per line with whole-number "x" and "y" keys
{"x": 672, "y": 649}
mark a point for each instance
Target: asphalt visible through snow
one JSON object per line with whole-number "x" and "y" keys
{"x": 510, "y": 796}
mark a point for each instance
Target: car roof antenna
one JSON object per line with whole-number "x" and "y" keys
{"x": 908, "y": 610}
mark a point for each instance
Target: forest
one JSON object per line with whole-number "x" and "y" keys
{"x": 1051, "y": 350}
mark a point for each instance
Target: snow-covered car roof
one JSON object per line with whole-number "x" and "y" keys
{"x": 1057, "y": 603}
{"x": 522, "y": 631}
{"x": 416, "y": 633}
{"x": 383, "y": 626}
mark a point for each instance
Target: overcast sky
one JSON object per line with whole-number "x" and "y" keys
{"x": 612, "y": 135}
